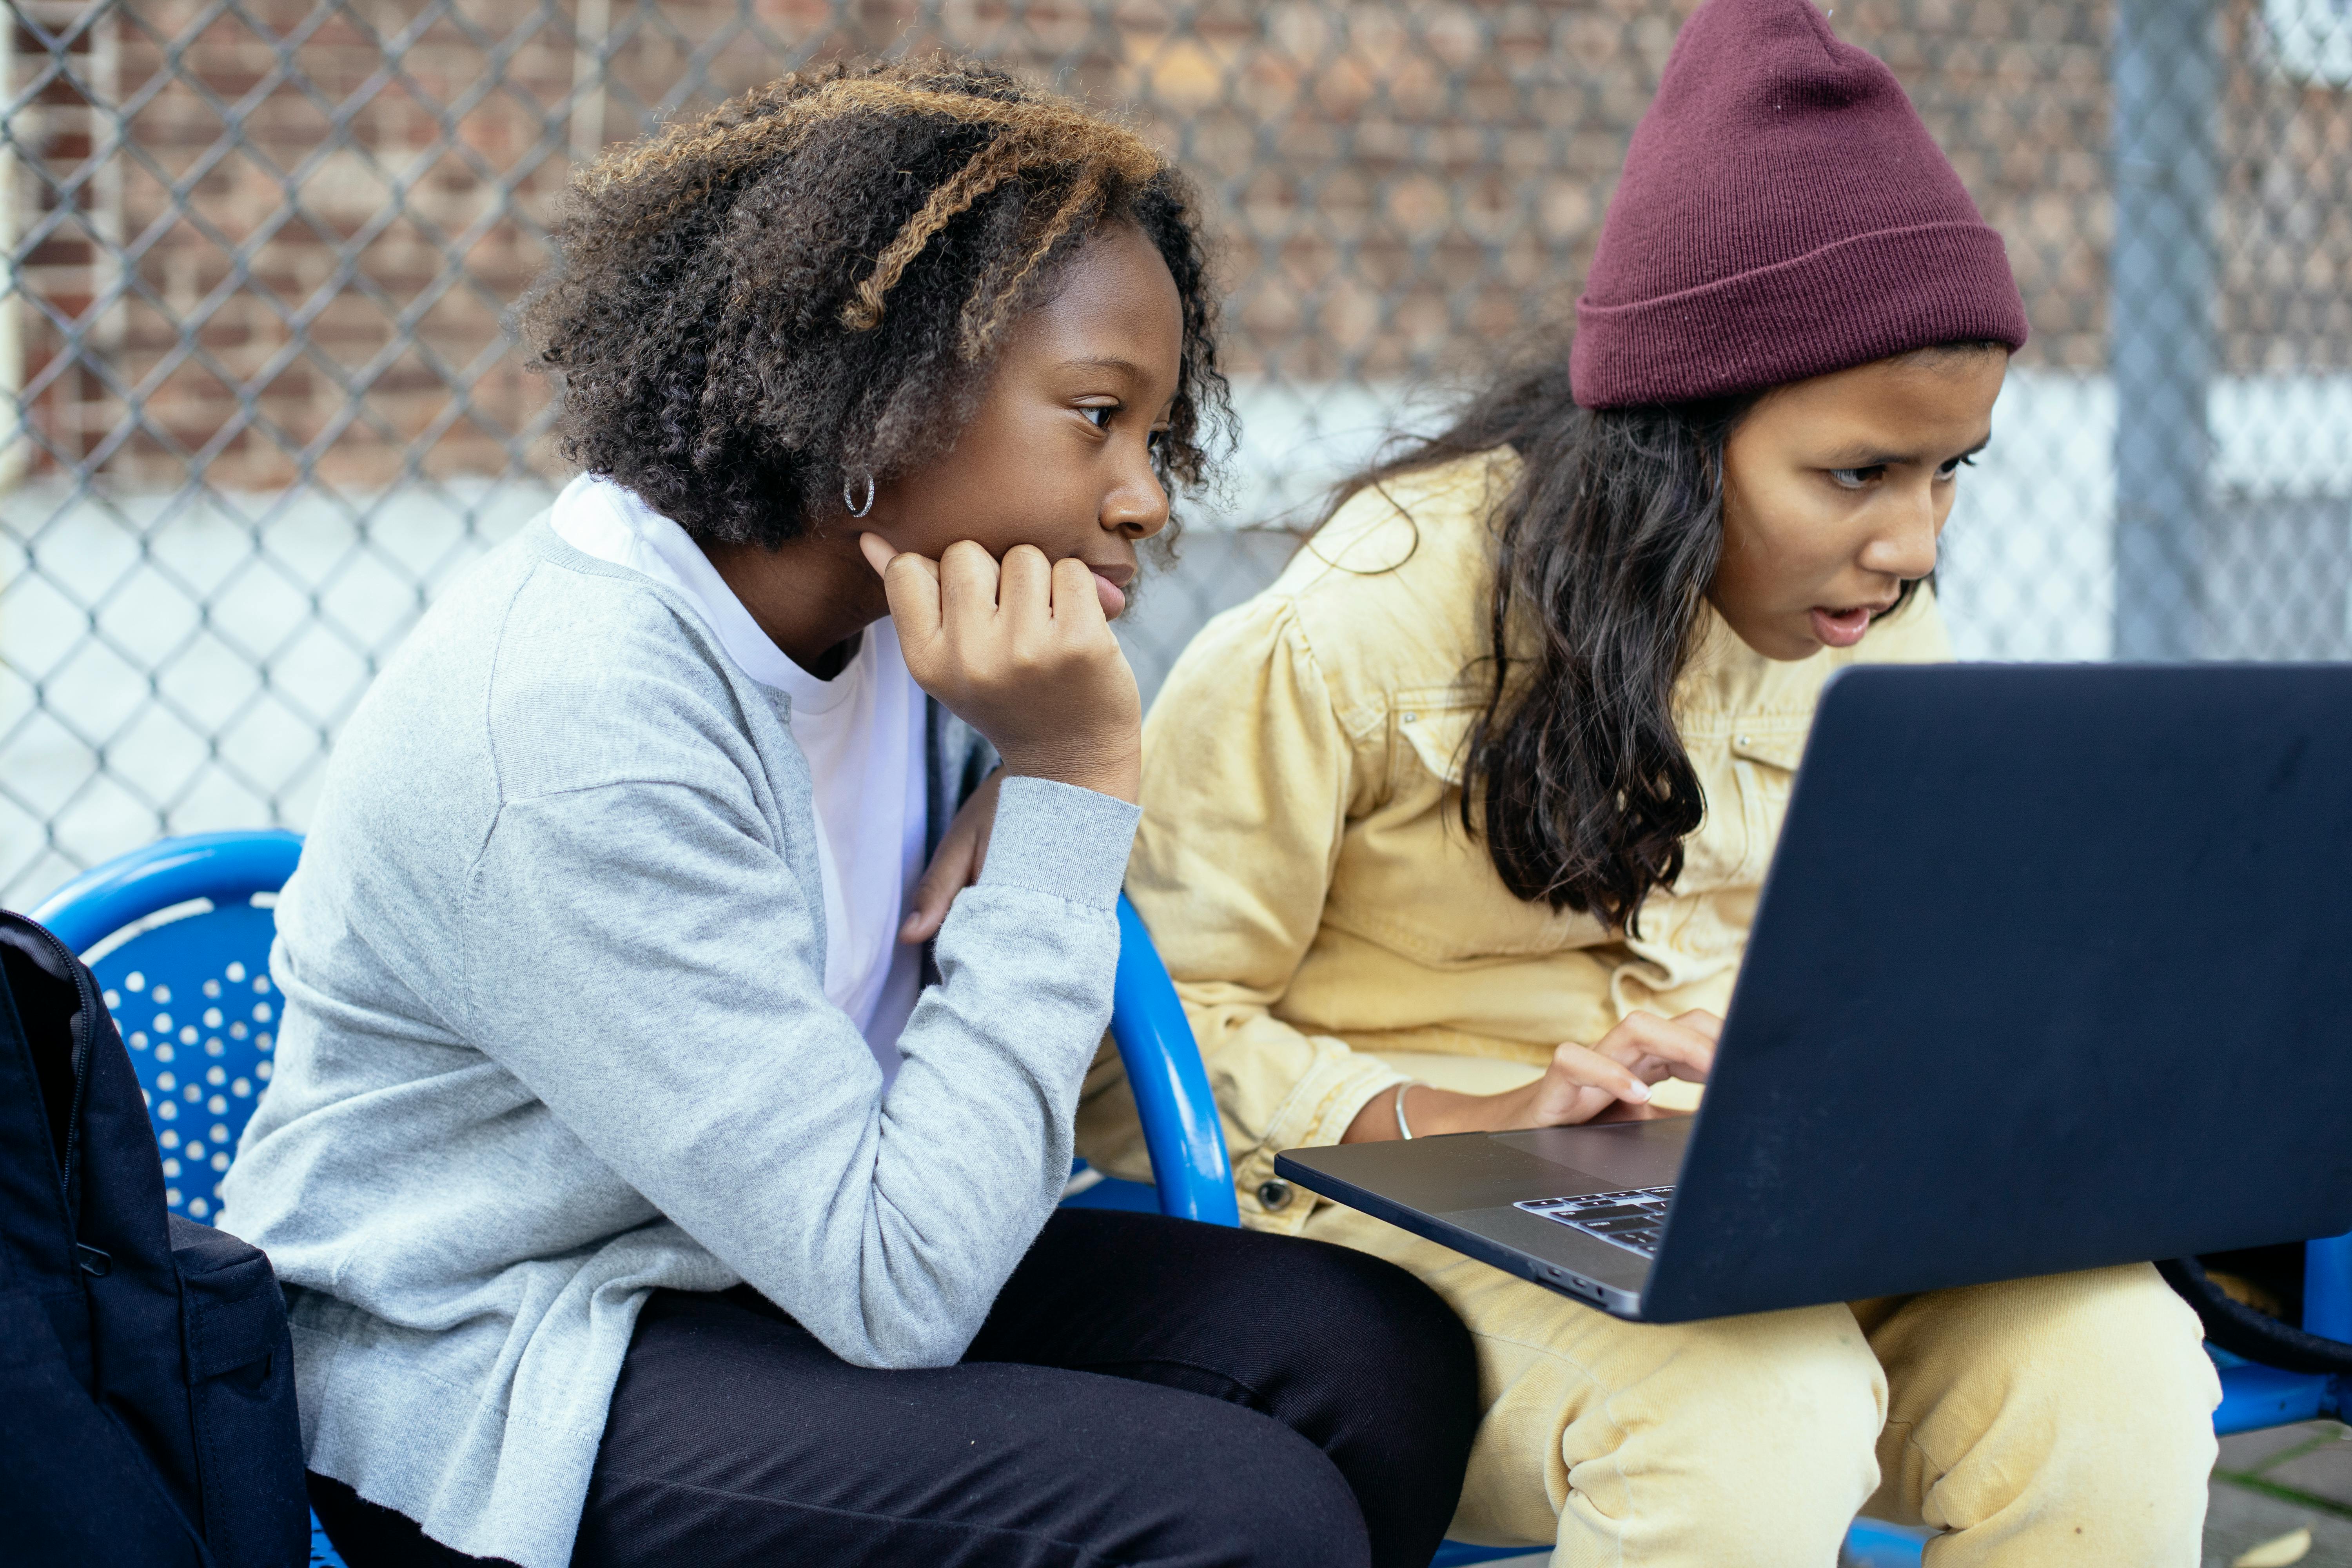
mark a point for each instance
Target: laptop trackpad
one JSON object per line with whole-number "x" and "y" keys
{"x": 1619, "y": 1153}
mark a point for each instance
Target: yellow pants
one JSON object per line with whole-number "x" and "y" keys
{"x": 2059, "y": 1420}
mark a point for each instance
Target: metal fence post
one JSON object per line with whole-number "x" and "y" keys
{"x": 2166, "y": 81}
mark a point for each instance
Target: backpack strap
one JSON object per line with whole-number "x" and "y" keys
{"x": 43, "y": 1072}
{"x": 65, "y": 1290}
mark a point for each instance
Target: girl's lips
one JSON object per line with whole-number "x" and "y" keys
{"x": 1841, "y": 628}
{"x": 1114, "y": 599}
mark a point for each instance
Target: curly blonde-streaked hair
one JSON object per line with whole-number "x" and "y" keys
{"x": 808, "y": 285}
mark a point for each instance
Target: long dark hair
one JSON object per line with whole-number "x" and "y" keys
{"x": 1604, "y": 551}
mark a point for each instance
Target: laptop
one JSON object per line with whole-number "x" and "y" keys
{"x": 2053, "y": 970}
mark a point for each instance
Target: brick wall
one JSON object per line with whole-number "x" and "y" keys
{"x": 288, "y": 259}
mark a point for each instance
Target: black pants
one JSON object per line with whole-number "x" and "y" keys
{"x": 1146, "y": 1391}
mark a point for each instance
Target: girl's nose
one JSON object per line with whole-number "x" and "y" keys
{"x": 1137, "y": 506}
{"x": 1905, "y": 546}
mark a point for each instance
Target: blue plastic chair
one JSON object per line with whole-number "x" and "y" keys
{"x": 178, "y": 935}
{"x": 2255, "y": 1396}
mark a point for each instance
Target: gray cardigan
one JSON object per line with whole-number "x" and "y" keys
{"x": 555, "y": 1035}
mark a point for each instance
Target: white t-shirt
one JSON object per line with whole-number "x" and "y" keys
{"x": 862, "y": 732}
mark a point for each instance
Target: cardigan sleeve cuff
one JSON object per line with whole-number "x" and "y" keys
{"x": 1056, "y": 839}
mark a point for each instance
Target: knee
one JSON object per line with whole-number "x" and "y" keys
{"x": 1787, "y": 1390}
{"x": 1265, "y": 1498}
{"x": 1786, "y": 1404}
{"x": 1331, "y": 1339}
{"x": 2129, "y": 1322}
{"x": 1375, "y": 1317}
{"x": 2064, "y": 1336}
{"x": 2112, "y": 1357}
{"x": 2057, "y": 1407}
{"x": 1746, "y": 1439}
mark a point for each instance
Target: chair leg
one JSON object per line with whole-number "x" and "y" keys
{"x": 1873, "y": 1543}
{"x": 2255, "y": 1397}
{"x": 1457, "y": 1553}
{"x": 2327, "y": 1287}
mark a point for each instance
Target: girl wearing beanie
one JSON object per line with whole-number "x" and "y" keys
{"x": 1497, "y": 763}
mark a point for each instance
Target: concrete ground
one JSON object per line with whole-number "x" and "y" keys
{"x": 2269, "y": 1483}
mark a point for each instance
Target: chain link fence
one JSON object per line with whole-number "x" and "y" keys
{"x": 261, "y": 406}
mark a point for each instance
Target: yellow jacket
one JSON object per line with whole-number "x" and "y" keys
{"x": 1303, "y": 867}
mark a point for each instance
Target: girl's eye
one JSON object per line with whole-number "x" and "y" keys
{"x": 1855, "y": 478}
{"x": 1101, "y": 416}
{"x": 1955, "y": 466}
{"x": 1156, "y": 439}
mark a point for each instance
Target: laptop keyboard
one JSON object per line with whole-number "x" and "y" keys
{"x": 1632, "y": 1220}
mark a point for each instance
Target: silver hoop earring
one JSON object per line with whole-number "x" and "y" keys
{"x": 852, "y": 508}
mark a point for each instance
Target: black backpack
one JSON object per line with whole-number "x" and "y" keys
{"x": 146, "y": 1377}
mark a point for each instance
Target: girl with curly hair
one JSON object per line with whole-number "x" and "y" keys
{"x": 638, "y": 1201}
{"x": 1461, "y": 826}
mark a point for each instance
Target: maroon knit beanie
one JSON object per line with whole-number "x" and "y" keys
{"x": 1783, "y": 214}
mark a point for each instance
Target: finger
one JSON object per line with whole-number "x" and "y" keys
{"x": 961, "y": 856}
{"x": 1689, "y": 1072}
{"x": 912, "y": 585}
{"x": 967, "y": 585}
{"x": 951, "y": 871}
{"x": 1077, "y": 607}
{"x": 1699, "y": 1021}
{"x": 1690, "y": 1059}
{"x": 1646, "y": 1033}
{"x": 1027, "y": 588}
{"x": 1587, "y": 1068}
{"x": 879, "y": 553}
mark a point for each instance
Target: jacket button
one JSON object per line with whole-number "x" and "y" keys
{"x": 1275, "y": 1195}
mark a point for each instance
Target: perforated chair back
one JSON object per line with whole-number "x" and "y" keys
{"x": 178, "y": 935}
